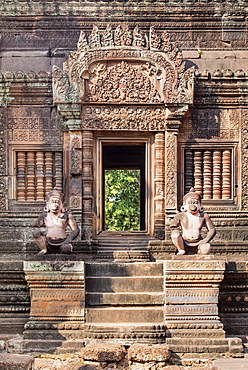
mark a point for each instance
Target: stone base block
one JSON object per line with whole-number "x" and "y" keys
{"x": 205, "y": 345}
{"x": 12, "y": 326}
{"x": 125, "y": 334}
{"x": 50, "y": 330}
{"x": 50, "y": 346}
{"x": 195, "y": 329}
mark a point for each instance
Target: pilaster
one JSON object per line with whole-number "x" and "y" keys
{"x": 57, "y": 307}
{"x": 191, "y": 306}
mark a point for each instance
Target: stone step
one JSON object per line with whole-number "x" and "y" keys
{"x": 198, "y": 341}
{"x": 51, "y": 346}
{"x": 120, "y": 284}
{"x": 199, "y": 349}
{"x": 124, "y": 269}
{"x": 124, "y": 299}
{"x": 121, "y": 315}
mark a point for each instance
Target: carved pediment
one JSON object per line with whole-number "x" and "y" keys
{"x": 122, "y": 66}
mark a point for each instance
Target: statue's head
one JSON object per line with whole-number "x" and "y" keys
{"x": 192, "y": 202}
{"x": 54, "y": 201}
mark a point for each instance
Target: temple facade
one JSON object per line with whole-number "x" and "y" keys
{"x": 157, "y": 86}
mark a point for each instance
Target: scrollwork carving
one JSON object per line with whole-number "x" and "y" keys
{"x": 144, "y": 118}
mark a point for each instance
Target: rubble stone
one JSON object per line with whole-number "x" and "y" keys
{"x": 15, "y": 362}
{"x": 103, "y": 352}
{"x": 146, "y": 353}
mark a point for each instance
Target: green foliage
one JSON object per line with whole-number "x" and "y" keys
{"x": 122, "y": 200}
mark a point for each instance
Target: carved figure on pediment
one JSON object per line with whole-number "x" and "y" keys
{"x": 82, "y": 41}
{"x": 138, "y": 37}
{"x": 192, "y": 219}
{"x": 155, "y": 39}
{"x": 107, "y": 36}
{"x": 122, "y": 36}
{"x": 165, "y": 42}
{"x": 60, "y": 83}
{"x": 56, "y": 219}
{"x": 95, "y": 38}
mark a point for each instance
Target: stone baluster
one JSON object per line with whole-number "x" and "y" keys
{"x": 159, "y": 178}
{"x": 58, "y": 172}
{"x": 40, "y": 176}
{"x": 48, "y": 171}
{"x": 21, "y": 175}
{"x": 30, "y": 176}
{"x": 207, "y": 174}
{"x": 189, "y": 180}
{"x": 198, "y": 171}
{"x": 217, "y": 174}
{"x": 226, "y": 174}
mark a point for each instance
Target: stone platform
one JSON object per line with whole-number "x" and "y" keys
{"x": 174, "y": 302}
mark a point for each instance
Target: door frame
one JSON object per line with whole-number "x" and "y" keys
{"x": 101, "y": 139}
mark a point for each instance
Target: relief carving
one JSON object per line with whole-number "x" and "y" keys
{"x": 212, "y": 124}
{"x": 124, "y": 66}
{"x": 143, "y": 118}
{"x": 244, "y": 145}
{"x": 122, "y": 82}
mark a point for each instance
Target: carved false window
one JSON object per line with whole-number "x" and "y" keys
{"x": 37, "y": 172}
{"x": 209, "y": 171}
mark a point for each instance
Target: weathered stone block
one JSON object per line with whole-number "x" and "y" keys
{"x": 103, "y": 352}
{"x": 2, "y": 345}
{"x": 145, "y": 353}
{"x": 15, "y": 362}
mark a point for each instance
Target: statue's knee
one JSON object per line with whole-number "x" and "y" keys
{"x": 205, "y": 248}
{"x": 66, "y": 248}
{"x": 37, "y": 233}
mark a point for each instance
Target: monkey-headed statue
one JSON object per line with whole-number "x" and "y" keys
{"x": 192, "y": 219}
{"x": 56, "y": 219}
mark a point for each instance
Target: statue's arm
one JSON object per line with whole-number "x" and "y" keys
{"x": 176, "y": 221}
{"x": 211, "y": 229}
{"x": 40, "y": 221}
{"x": 74, "y": 227}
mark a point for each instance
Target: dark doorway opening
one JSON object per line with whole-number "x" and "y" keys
{"x": 124, "y": 187}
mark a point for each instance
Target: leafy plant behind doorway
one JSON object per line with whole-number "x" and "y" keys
{"x": 122, "y": 199}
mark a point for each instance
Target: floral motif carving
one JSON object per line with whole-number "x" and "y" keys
{"x": 170, "y": 178}
{"x": 244, "y": 145}
{"x": 143, "y": 118}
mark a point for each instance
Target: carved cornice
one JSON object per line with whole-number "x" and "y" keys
{"x": 89, "y": 8}
{"x": 225, "y": 75}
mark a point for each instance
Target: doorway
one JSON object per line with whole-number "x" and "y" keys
{"x": 124, "y": 190}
